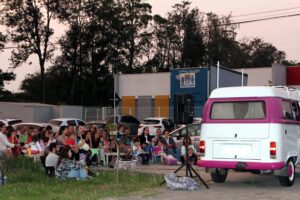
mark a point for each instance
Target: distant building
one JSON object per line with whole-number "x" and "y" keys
{"x": 151, "y": 94}
{"x": 275, "y": 75}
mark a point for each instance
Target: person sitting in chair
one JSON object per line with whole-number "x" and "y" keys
{"x": 170, "y": 145}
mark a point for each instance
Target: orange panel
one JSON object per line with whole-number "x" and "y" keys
{"x": 162, "y": 106}
{"x": 128, "y": 105}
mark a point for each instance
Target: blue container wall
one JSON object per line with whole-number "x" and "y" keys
{"x": 227, "y": 78}
{"x": 190, "y": 81}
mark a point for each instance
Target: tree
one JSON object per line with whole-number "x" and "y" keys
{"x": 2, "y": 41}
{"x": 220, "y": 39}
{"x": 259, "y": 53}
{"x": 290, "y": 62}
{"x": 187, "y": 40}
{"x": 193, "y": 53}
{"x": 90, "y": 47}
{"x": 178, "y": 39}
{"x": 135, "y": 34}
{"x": 28, "y": 24}
{"x": 5, "y": 76}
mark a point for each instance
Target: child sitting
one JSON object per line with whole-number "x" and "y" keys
{"x": 192, "y": 157}
{"x": 137, "y": 151}
{"x": 158, "y": 151}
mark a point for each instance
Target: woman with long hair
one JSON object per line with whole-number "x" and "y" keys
{"x": 68, "y": 168}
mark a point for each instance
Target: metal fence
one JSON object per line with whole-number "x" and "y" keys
{"x": 100, "y": 113}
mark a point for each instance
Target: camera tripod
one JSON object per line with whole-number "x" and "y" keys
{"x": 189, "y": 170}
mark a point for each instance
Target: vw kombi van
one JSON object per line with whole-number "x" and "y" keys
{"x": 251, "y": 129}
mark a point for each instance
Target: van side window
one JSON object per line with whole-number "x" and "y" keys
{"x": 295, "y": 109}
{"x": 287, "y": 110}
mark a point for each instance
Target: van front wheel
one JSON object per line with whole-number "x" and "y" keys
{"x": 288, "y": 180}
{"x": 219, "y": 176}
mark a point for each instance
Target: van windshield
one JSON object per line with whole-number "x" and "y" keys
{"x": 238, "y": 110}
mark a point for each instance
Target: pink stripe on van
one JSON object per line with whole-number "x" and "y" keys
{"x": 249, "y": 165}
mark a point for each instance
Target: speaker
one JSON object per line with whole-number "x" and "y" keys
{"x": 183, "y": 108}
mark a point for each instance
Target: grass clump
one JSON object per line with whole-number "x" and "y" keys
{"x": 27, "y": 181}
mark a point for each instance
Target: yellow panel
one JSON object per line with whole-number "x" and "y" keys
{"x": 128, "y": 105}
{"x": 161, "y": 104}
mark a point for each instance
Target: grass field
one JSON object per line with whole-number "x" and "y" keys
{"x": 27, "y": 181}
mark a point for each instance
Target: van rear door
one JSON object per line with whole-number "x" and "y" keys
{"x": 236, "y": 128}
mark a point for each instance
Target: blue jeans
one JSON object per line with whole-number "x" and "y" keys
{"x": 77, "y": 173}
{"x": 148, "y": 148}
{"x": 174, "y": 153}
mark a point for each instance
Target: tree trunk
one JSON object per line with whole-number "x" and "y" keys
{"x": 43, "y": 81}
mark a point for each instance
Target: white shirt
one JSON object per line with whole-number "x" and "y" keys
{"x": 51, "y": 160}
{"x": 190, "y": 146}
{"x": 4, "y": 143}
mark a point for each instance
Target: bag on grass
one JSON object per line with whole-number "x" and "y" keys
{"x": 180, "y": 183}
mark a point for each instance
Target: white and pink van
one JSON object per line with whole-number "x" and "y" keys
{"x": 251, "y": 129}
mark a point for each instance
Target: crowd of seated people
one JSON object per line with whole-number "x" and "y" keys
{"x": 65, "y": 152}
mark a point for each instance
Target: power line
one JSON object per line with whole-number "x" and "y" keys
{"x": 231, "y": 23}
{"x": 262, "y": 19}
{"x": 270, "y": 11}
{"x": 268, "y": 16}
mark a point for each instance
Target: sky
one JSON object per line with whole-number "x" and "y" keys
{"x": 282, "y": 33}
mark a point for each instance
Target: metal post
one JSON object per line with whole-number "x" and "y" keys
{"x": 218, "y": 74}
{"x": 114, "y": 99}
{"x": 97, "y": 113}
{"x": 242, "y": 77}
{"x": 103, "y": 113}
{"x": 117, "y": 161}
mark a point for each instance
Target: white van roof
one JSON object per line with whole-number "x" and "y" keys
{"x": 256, "y": 91}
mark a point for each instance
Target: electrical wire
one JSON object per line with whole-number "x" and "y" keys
{"x": 267, "y": 16}
{"x": 264, "y": 12}
{"x": 261, "y": 19}
{"x": 227, "y": 24}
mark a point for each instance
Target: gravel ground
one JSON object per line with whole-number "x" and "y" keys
{"x": 238, "y": 186}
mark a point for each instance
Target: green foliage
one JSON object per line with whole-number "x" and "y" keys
{"x": 106, "y": 37}
{"x": 27, "y": 180}
{"x": 5, "y": 76}
{"x": 2, "y": 41}
{"x": 28, "y": 26}
{"x": 135, "y": 35}
{"x": 260, "y": 54}
{"x": 290, "y": 63}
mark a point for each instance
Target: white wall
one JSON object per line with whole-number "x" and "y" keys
{"x": 150, "y": 84}
{"x": 279, "y": 74}
{"x": 258, "y": 76}
{"x": 70, "y": 111}
{"x": 35, "y": 112}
